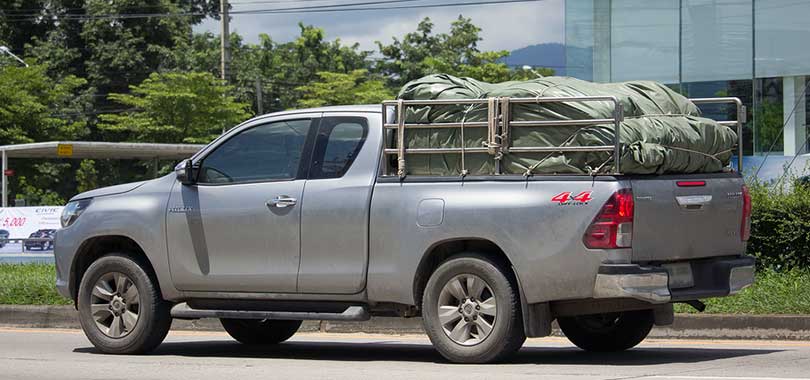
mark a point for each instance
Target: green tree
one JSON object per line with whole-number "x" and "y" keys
{"x": 86, "y": 176}
{"x": 175, "y": 107}
{"x": 33, "y": 107}
{"x": 355, "y": 87}
{"x": 279, "y": 67}
{"x": 38, "y": 196}
{"x": 404, "y": 60}
{"x": 485, "y": 66}
{"x": 423, "y": 52}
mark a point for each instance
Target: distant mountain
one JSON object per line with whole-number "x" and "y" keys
{"x": 551, "y": 55}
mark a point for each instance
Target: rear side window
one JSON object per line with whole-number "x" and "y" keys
{"x": 338, "y": 143}
{"x": 264, "y": 153}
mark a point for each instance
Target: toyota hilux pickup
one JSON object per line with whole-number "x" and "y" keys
{"x": 309, "y": 215}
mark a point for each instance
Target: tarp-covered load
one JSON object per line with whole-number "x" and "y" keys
{"x": 662, "y": 131}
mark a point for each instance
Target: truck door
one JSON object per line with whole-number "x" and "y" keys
{"x": 238, "y": 228}
{"x": 334, "y": 220}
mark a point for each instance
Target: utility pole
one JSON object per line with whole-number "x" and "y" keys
{"x": 225, "y": 39}
{"x": 259, "y": 108}
{"x": 225, "y": 45}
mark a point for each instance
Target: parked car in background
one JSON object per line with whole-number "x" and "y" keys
{"x": 3, "y": 238}
{"x": 44, "y": 240}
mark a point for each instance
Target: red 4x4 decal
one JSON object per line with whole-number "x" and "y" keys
{"x": 565, "y": 197}
{"x": 583, "y": 197}
{"x": 561, "y": 197}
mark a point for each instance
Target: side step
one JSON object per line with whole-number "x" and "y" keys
{"x": 352, "y": 313}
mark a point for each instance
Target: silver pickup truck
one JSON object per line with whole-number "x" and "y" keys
{"x": 309, "y": 215}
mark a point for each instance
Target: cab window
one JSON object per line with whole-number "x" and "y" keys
{"x": 338, "y": 142}
{"x": 268, "y": 152}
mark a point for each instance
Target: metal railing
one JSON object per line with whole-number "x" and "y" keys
{"x": 738, "y": 122}
{"x": 499, "y": 124}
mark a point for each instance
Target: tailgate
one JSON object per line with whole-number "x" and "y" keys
{"x": 687, "y": 216}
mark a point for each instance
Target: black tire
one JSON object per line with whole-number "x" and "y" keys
{"x": 506, "y": 335}
{"x": 153, "y": 321}
{"x": 260, "y": 331}
{"x": 608, "y": 332}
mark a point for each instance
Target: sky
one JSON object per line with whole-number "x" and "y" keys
{"x": 506, "y": 26}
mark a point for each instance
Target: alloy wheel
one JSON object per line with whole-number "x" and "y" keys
{"x": 115, "y": 304}
{"x": 467, "y": 309}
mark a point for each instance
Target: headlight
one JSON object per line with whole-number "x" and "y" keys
{"x": 72, "y": 211}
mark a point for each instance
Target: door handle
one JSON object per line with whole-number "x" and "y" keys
{"x": 282, "y": 201}
{"x": 694, "y": 202}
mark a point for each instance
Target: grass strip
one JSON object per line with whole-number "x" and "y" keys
{"x": 29, "y": 284}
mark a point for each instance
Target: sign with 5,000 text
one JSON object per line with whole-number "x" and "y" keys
{"x": 20, "y": 222}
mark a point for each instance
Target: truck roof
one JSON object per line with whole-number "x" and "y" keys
{"x": 375, "y": 108}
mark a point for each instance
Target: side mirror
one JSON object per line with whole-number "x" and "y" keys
{"x": 184, "y": 172}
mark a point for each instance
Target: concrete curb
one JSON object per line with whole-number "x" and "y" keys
{"x": 693, "y": 326}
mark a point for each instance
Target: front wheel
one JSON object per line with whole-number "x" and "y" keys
{"x": 120, "y": 307}
{"x": 260, "y": 331}
{"x": 608, "y": 332}
{"x": 471, "y": 311}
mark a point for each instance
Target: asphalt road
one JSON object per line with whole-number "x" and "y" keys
{"x": 66, "y": 354}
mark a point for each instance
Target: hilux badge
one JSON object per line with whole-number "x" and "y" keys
{"x": 180, "y": 209}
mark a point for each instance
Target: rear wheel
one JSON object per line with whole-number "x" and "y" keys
{"x": 120, "y": 307}
{"x": 608, "y": 332}
{"x": 471, "y": 311}
{"x": 260, "y": 331}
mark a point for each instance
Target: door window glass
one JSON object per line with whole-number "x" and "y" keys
{"x": 268, "y": 152}
{"x": 339, "y": 141}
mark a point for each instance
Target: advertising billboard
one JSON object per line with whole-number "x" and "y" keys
{"x": 20, "y": 222}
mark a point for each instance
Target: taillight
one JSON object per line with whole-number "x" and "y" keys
{"x": 613, "y": 226}
{"x": 745, "y": 227}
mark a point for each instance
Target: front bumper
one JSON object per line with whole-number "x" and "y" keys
{"x": 715, "y": 277}
{"x": 65, "y": 246}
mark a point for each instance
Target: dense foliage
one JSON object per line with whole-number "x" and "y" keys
{"x": 175, "y": 107}
{"x": 355, "y": 87}
{"x": 780, "y": 226}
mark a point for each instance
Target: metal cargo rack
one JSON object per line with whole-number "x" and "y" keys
{"x": 738, "y": 122}
{"x": 499, "y": 124}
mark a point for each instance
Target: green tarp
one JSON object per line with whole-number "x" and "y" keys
{"x": 662, "y": 131}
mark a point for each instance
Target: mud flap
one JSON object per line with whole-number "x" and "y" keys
{"x": 664, "y": 314}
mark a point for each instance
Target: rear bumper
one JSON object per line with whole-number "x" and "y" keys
{"x": 715, "y": 277}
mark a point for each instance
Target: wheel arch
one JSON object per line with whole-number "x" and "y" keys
{"x": 440, "y": 251}
{"x": 96, "y": 247}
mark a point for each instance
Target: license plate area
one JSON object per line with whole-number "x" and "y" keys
{"x": 680, "y": 275}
